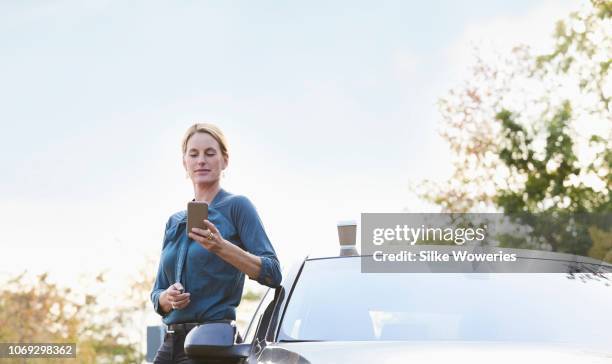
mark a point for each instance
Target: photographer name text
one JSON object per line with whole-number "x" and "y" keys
{"x": 436, "y": 256}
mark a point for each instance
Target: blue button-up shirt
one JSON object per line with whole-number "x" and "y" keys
{"x": 215, "y": 285}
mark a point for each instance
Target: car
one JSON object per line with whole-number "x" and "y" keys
{"x": 327, "y": 311}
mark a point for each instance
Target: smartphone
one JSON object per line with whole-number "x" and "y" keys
{"x": 182, "y": 289}
{"x": 197, "y": 212}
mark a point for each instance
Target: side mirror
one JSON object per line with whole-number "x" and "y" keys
{"x": 215, "y": 340}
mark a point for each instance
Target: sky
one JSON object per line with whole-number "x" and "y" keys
{"x": 329, "y": 109}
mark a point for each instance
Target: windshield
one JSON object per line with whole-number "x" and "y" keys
{"x": 334, "y": 301}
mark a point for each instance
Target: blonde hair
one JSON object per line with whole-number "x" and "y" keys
{"x": 211, "y": 130}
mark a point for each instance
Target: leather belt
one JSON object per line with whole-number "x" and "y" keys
{"x": 181, "y": 328}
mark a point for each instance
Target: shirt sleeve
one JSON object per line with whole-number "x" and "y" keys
{"x": 161, "y": 281}
{"x": 255, "y": 240}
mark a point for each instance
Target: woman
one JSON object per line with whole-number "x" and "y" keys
{"x": 233, "y": 244}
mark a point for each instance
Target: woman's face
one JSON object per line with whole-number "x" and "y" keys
{"x": 203, "y": 159}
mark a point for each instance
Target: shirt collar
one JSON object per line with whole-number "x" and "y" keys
{"x": 216, "y": 198}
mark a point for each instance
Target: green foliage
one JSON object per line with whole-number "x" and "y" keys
{"x": 523, "y": 157}
{"x": 42, "y": 311}
{"x": 602, "y": 244}
{"x": 543, "y": 183}
{"x": 583, "y": 36}
{"x": 549, "y": 188}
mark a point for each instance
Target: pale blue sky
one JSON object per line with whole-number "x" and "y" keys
{"x": 329, "y": 108}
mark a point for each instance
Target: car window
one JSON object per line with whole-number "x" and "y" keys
{"x": 333, "y": 300}
{"x": 263, "y": 303}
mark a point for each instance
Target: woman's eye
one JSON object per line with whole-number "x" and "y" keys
{"x": 210, "y": 154}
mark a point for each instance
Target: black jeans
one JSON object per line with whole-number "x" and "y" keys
{"x": 172, "y": 351}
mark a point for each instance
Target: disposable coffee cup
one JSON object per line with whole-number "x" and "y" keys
{"x": 347, "y": 232}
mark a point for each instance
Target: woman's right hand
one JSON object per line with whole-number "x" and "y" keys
{"x": 173, "y": 299}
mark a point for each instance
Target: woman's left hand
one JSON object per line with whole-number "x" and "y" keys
{"x": 208, "y": 238}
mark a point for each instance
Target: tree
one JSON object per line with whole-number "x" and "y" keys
{"x": 521, "y": 143}
{"x": 41, "y": 311}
